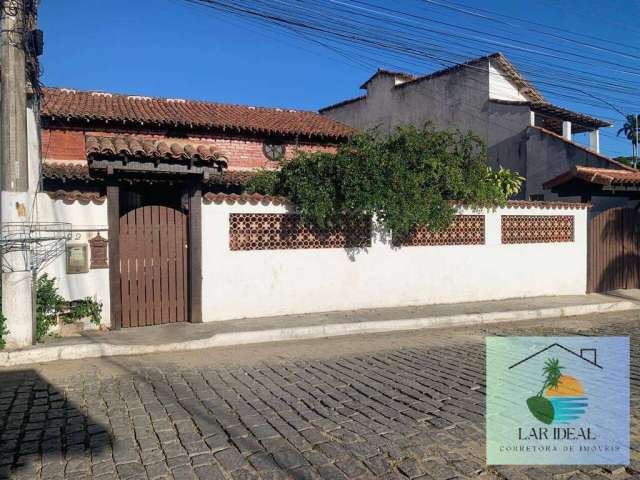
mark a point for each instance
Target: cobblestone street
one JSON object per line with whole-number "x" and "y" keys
{"x": 402, "y": 405}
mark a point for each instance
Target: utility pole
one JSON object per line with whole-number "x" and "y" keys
{"x": 17, "y": 301}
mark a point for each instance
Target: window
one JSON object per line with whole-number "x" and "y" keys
{"x": 274, "y": 151}
{"x": 536, "y": 197}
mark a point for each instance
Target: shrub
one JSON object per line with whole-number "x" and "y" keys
{"x": 86, "y": 308}
{"x": 3, "y": 330}
{"x": 49, "y": 304}
{"x": 406, "y": 180}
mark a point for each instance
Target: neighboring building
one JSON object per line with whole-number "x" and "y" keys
{"x": 490, "y": 97}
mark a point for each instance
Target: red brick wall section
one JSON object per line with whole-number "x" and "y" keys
{"x": 241, "y": 152}
{"x": 63, "y": 145}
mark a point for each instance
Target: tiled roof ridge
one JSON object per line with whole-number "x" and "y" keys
{"x": 138, "y": 97}
{"x": 585, "y": 149}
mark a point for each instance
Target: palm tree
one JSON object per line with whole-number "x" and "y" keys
{"x": 630, "y": 130}
{"x": 553, "y": 371}
{"x": 539, "y": 406}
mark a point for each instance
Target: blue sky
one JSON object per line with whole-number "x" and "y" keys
{"x": 173, "y": 49}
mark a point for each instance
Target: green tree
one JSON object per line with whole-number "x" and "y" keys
{"x": 630, "y": 131}
{"x": 407, "y": 179}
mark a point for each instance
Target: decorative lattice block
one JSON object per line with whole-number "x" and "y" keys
{"x": 276, "y": 231}
{"x": 537, "y": 228}
{"x": 465, "y": 230}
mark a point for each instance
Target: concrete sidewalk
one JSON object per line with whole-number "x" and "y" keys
{"x": 186, "y": 336}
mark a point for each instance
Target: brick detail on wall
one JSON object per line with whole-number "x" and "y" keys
{"x": 242, "y": 152}
{"x": 465, "y": 230}
{"x": 63, "y": 145}
{"x": 275, "y": 231}
{"x": 537, "y": 228}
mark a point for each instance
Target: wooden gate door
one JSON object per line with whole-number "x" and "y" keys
{"x": 614, "y": 250}
{"x": 153, "y": 266}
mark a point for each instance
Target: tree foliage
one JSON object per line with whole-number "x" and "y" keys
{"x": 407, "y": 179}
{"x": 3, "y": 331}
{"x": 630, "y": 129}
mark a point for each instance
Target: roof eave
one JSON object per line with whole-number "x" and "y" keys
{"x": 131, "y": 124}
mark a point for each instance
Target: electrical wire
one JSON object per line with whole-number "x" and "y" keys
{"x": 349, "y": 31}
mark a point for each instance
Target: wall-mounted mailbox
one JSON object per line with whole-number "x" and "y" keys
{"x": 77, "y": 258}
{"x": 98, "y": 247}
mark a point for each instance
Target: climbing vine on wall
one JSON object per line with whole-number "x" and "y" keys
{"x": 406, "y": 180}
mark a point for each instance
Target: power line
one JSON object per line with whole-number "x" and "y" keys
{"x": 408, "y": 49}
{"x": 334, "y": 25}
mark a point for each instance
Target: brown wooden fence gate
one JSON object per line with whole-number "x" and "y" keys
{"x": 153, "y": 266}
{"x": 614, "y": 250}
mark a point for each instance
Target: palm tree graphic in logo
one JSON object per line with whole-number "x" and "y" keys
{"x": 562, "y": 397}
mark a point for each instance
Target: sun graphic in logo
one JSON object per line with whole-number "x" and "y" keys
{"x": 561, "y": 399}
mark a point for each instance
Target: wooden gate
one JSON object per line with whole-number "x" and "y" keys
{"x": 614, "y": 250}
{"x": 153, "y": 266}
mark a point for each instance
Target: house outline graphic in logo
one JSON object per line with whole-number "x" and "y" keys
{"x": 562, "y": 398}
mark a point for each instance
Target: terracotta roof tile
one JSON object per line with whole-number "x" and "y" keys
{"x": 66, "y": 171}
{"x": 535, "y": 204}
{"x": 80, "y": 172}
{"x": 256, "y": 198}
{"x": 251, "y": 198}
{"x": 547, "y": 205}
{"x": 600, "y": 176}
{"x": 105, "y": 107}
{"x": 160, "y": 149}
{"x": 83, "y": 197}
{"x": 232, "y": 177}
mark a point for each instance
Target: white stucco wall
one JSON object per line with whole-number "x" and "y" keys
{"x": 82, "y": 217}
{"x": 501, "y": 88}
{"x": 239, "y": 284}
{"x": 17, "y": 284}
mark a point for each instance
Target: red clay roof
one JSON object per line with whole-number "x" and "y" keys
{"x": 140, "y": 147}
{"x": 106, "y": 107}
{"x": 600, "y": 176}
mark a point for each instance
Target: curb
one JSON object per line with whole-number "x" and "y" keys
{"x": 95, "y": 350}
